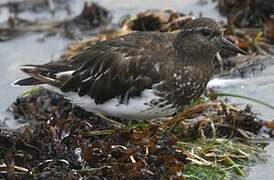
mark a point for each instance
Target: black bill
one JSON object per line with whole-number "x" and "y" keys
{"x": 226, "y": 44}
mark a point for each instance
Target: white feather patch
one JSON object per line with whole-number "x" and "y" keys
{"x": 65, "y": 73}
{"x": 137, "y": 108}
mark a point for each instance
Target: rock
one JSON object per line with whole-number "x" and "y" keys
{"x": 246, "y": 13}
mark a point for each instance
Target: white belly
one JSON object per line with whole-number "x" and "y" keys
{"x": 138, "y": 108}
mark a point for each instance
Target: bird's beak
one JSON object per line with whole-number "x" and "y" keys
{"x": 226, "y": 44}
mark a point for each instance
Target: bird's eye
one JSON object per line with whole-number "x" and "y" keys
{"x": 207, "y": 33}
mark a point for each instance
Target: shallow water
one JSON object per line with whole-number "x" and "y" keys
{"x": 24, "y": 50}
{"x": 28, "y": 49}
{"x": 259, "y": 86}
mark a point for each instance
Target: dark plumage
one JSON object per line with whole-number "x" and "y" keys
{"x": 138, "y": 75}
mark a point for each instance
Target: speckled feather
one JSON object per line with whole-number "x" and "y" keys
{"x": 163, "y": 71}
{"x": 122, "y": 67}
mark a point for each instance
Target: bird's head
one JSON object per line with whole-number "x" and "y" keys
{"x": 204, "y": 36}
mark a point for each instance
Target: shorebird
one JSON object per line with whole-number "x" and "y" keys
{"x": 141, "y": 75}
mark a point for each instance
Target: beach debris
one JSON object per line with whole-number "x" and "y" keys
{"x": 91, "y": 17}
{"x": 269, "y": 29}
{"x": 151, "y": 20}
{"x": 155, "y": 20}
{"x": 64, "y": 141}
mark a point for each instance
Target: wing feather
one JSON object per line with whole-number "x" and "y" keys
{"x": 122, "y": 67}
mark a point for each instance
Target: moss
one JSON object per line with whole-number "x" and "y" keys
{"x": 233, "y": 156}
{"x": 193, "y": 172}
{"x": 32, "y": 91}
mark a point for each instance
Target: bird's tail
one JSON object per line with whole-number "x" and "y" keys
{"x": 39, "y": 75}
{"x": 27, "y": 82}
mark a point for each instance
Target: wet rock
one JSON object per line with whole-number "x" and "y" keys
{"x": 246, "y": 13}
{"x": 245, "y": 66}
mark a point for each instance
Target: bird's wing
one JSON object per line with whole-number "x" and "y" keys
{"x": 122, "y": 67}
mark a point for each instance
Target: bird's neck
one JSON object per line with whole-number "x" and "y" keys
{"x": 193, "y": 52}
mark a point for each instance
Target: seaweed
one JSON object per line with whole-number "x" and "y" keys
{"x": 208, "y": 138}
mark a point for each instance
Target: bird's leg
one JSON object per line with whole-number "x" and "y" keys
{"x": 72, "y": 109}
{"x": 163, "y": 119}
{"x": 111, "y": 121}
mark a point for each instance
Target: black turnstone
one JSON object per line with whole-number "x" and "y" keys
{"x": 142, "y": 75}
